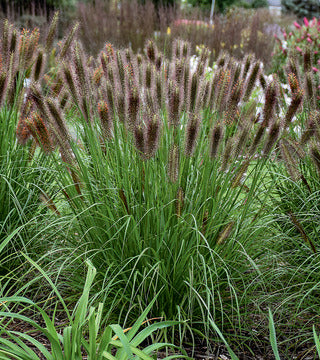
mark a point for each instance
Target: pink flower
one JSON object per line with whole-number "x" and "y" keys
{"x": 314, "y": 21}
{"x": 309, "y": 40}
{"x": 285, "y": 35}
{"x": 306, "y": 22}
{"x": 297, "y": 47}
{"x": 290, "y": 34}
{"x": 315, "y": 52}
{"x": 297, "y": 25}
{"x": 315, "y": 69}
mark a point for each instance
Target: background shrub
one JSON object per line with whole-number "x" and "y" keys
{"x": 302, "y": 8}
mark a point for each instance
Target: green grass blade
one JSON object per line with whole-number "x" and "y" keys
{"x": 273, "y": 337}
{"x": 123, "y": 340}
{"x": 316, "y": 340}
{"x": 231, "y": 353}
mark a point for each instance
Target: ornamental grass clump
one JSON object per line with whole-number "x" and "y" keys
{"x": 162, "y": 176}
{"x": 156, "y": 162}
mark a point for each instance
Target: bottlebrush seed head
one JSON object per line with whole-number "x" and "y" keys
{"x": 110, "y": 75}
{"x": 176, "y": 49}
{"x": 120, "y": 68}
{"x": 236, "y": 181}
{"x": 253, "y": 76}
{"x": 152, "y": 136}
{"x": 121, "y": 106}
{"x": 42, "y": 134}
{"x": 28, "y": 45}
{"x": 309, "y": 86}
{"x": 312, "y": 125}
{"x": 174, "y": 103}
{"x": 270, "y": 103}
{"x": 39, "y": 65}
{"x": 179, "y": 202}
{"x": 241, "y": 142}
{"x": 80, "y": 70}
{"x": 289, "y": 162}
{"x": 85, "y": 108}
{"x": 226, "y": 155}
{"x": 215, "y": 140}
{"x": 105, "y": 120}
{"x": 191, "y": 134}
{"x": 263, "y": 82}
{"x": 307, "y": 60}
{"x": 174, "y": 163}
{"x": 52, "y": 31}
{"x": 139, "y": 139}
{"x": 36, "y": 97}
{"x": 236, "y": 74}
{"x": 128, "y": 55}
{"x": 186, "y": 50}
{"x": 57, "y": 122}
{"x": 148, "y": 76}
{"x": 68, "y": 41}
{"x": 225, "y": 233}
{"x": 110, "y": 98}
{"x": 150, "y": 102}
{"x": 6, "y": 32}
{"x": 249, "y": 59}
{"x": 186, "y": 81}
{"x": 293, "y": 82}
{"x": 3, "y": 83}
{"x": 133, "y": 105}
{"x": 272, "y": 138}
{"x": 293, "y": 107}
{"x": 257, "y": 139}
{"x": 315, "y": 155}
{"x": 193, "y": 91}
{"x": 178, "y": 71}
{"x": 13, "y": 41}
{"x": 109, "y": 51}
{"x": 70, "y": 80}
{"x": 235, "y": 95}
{"x": 151, "y": 51}
{"x": 223, "y": 89}
{"x": 23, "y": 133}
{"x": 57, "y": 86}
{"x": 159, "y": 61}
{"x": 293, "y": 67}
{"x": 204, "y": 222}
{"x": 64, "y": 100}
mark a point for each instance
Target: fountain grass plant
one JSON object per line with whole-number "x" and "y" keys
{"x": 162, "y": 170}
{"x": 161, "y": 177}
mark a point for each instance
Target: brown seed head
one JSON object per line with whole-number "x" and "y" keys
{"x": 191, "y": 134}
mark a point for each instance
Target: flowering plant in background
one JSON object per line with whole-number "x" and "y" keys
{"x": 302, "y": 38}
{"x": 298, "y": 51}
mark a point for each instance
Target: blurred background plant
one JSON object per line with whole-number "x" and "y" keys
{"x": 302, "y": 8}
